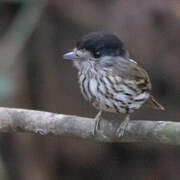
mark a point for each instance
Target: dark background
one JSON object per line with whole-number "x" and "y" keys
{"x": 34, "y": 35}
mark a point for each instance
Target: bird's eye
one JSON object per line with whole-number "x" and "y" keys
{"x": 97, "y": 54}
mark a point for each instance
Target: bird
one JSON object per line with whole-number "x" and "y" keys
{"x": 109, "y": 79}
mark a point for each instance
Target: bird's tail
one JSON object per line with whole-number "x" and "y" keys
{"x": 155, "y": 104}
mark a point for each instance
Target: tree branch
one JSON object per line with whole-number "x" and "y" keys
{"x": 44, "y": 123}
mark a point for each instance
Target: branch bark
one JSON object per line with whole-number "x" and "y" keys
{"x": 45, "y": 123}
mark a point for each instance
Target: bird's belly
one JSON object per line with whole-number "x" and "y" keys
{"x": 121, "y": 103}
{"x": 103, "y": 97}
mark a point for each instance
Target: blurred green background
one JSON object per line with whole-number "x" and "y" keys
{"x": 34, "y": 34}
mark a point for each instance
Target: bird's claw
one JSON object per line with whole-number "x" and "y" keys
{"x": 97, "y": 120}
{"x": 121, "y": 129}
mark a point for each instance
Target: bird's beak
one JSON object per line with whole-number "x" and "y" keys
{"x": 71, "y": 56}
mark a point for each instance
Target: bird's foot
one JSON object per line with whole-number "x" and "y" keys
{"x": 121, "y": 129}
{"x": 97, "y": 120}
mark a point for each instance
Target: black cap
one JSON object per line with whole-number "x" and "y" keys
{"x": 104, "y": 43}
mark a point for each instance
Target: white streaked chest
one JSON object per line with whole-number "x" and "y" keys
{"x": 88, "y": 82}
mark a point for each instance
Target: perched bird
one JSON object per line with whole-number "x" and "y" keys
{"x": 109, "y": 79}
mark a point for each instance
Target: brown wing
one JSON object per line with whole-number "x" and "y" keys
{"x": 141, "y": 77}
{"x": 143, "y": 82}
{"x": 131, "y": 71}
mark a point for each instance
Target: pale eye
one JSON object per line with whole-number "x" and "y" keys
{"x": 97, "y": 54}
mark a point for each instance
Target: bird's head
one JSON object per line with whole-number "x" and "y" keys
{"x": 96, "y": 47}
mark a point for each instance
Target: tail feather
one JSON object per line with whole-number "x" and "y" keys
{"x": 155, "y": 104}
